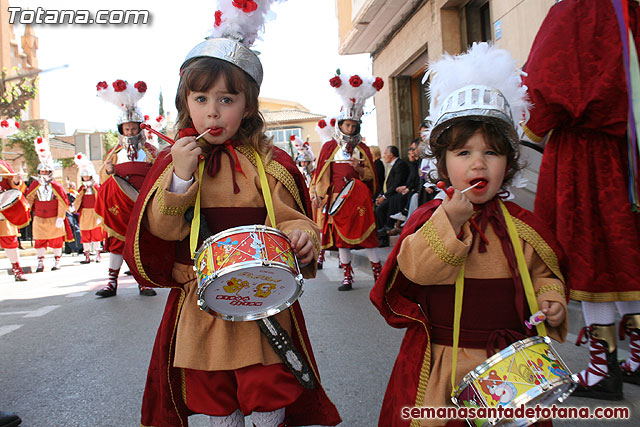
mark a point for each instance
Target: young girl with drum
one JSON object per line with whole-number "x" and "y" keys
{"x": 212, "y": 174}
{"x": 461, "y": 253}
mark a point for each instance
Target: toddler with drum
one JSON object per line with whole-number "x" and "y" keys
{"x": 223, "y": 173}
{"x": 468, "y": 271}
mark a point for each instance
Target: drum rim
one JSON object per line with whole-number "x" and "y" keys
{"x": 299, "y": 280}
{"x": 240, "y": 229}
{"x": 501, "y": 355}
{"x": 120, "y": 180}
{"x": 350, "y": 183}
{"x": 11, "y": 190}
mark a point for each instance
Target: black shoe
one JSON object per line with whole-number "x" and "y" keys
{"x": 319, "y": 266}
{"x": 54, "y": 268}
{"x": 18, "y": 279}
{"x": 610, "y": 387}
{"x": 85, "y": 261}
{"x": 384, "y": 241}
{"x": 106, "y": 292}
{"x": 9, "y": 420}
{"x": 40, "y": 269}
{"x": 345, "y": 287}
{"x": 147, "y": 292}
{"x": 630, "y": 377}
{"x": 128, "y": 273}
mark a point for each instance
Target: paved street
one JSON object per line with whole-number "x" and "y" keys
{"x": 68, "y": 358}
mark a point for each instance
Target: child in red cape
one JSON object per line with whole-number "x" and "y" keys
{"x": 474, "y": 143}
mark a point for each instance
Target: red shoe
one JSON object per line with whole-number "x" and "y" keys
{"x": 347, "y": 283}
{"x": 18, "y": 274}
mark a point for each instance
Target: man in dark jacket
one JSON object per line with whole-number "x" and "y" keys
{"x": 397, "y": 172}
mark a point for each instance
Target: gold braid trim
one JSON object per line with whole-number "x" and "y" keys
{"x": 578, "y": 295}
{"x": 541, "y": 247}
{"x": 438, "y": 246}
{"x": 172, "y": 210}
{"x": 359, "y": 240}
{"x": 425, "y": 369}
{"x": 136, "y": 240}
{"x": 278, "y": 171}
{"x": 171, "y": 351}
{"x": 530, "y": 134}
{"x": 550, "y": 287}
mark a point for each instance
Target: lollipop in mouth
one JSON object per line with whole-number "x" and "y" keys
{"x": 478, "y": 183}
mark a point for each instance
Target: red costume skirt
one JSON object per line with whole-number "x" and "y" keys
{"x": 582, "y": 195}
{"x": 353, "y": 226}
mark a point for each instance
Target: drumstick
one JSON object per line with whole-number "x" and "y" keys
{"x": 441, "y": 185}
{"x": 161, "y": 135}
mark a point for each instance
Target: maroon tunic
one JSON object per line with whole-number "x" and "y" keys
{"x": 578, "y": 89}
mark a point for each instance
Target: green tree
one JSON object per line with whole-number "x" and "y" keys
{"x": 109, "y": 141}
{"x": 15, "y": 93}
{"x": 161, "y": 104}
{"x": 24, "y": 139}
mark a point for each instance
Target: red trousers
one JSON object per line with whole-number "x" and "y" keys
{"x": 252, "y": 388}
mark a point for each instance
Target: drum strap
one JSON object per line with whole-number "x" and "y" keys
{"x": 278, "y": 337}
{"x": 195, "y": 223}
{"x": 266, "y": 191}
{"x": 526, "y": 283}
{"x": 281, "y": 343}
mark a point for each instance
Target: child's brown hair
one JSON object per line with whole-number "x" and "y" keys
{"x": 199, "y": 74}
{"x": 457, "y": 135}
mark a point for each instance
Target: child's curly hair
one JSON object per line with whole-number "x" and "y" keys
{"x": 199, "y": 74}
{"x": 457, "y": 135}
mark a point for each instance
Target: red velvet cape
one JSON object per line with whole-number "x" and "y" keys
{"x": 151, "y": 261}
{"x": 412, "y": 367}
{"x": 577, "y": 85}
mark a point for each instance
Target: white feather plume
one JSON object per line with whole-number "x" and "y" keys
{"x": 325, "y": 129}
{"x": 127, "y": 98}
{"x": 482, "y": 64}
{"x": 8, "y": 127}
{"x": 354, "y": 97}
{"x": 235, "y": 23}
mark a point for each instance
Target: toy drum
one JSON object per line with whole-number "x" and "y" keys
{"x": 341, "y": 198}
{"x": 247, "y": 273}
{"x": 528, "y": 372}
{"x": 126, "y": 188}
{"x": 15, "y": 208}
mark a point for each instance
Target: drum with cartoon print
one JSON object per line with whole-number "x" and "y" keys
{"x": 247, "y": 273}
{"x": 528, "y": 372}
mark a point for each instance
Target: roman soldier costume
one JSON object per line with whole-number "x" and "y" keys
{"x": 351, "y": 223}
{"x": 124, "y": 170}
{"x": 84, "y": 205}
{"x": 49, "y": 204}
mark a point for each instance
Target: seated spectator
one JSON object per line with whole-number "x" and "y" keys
{"x": 397, "y": 172}
{"x": 400, "y": 205}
